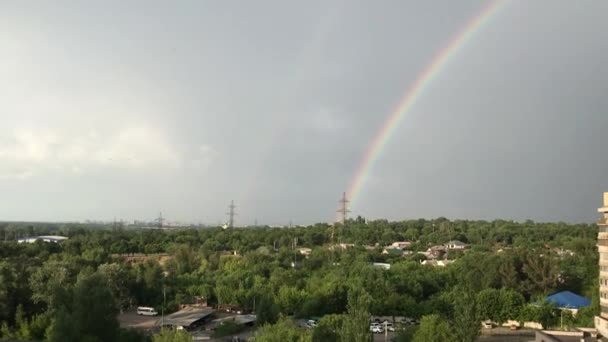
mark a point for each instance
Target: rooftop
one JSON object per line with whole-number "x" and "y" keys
{"x": 568, "y": 300}
{"x": 186, "y": 316}
{"x": 456, "y": 242}
{"x": 238, "y": 319}
{"x": 46, "y": 238}
{"x": 566, "y": 336}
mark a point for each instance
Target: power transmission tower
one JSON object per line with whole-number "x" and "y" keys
{"x": 160, "y": 220}
{"x": 344, "y": 208}
{"x": 231, "y": 213}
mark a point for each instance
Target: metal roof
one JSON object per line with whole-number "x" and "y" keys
{"x": 186, "y": 317}
{"x": 569, "y": 300}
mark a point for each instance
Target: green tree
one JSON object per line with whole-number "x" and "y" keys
{"x": 546, "y": 314}
{"x": 467, "y": 324}
{"x": 355, "y": 327}
{"x": 328, "y": 329}
{"x": 91, "y": 315}
{"x": 433, "y": 328}
{"x": 172, "y": 335}
{"x": 8, "y": 284}
{"x": 119, "y": 281}
{"x": 499, "y": 305}
{"x": 542, "y": 272}
{"x": 290, "y": 299}
{"x": 405, "y": 334}
{"x": 283, "y": 331}
{"x": 46, "y": 280}
{"x": 184, "y": 260}
{"x": 489, "y": 305}
{"x": 267, "y": 311}
{"x": 512, "y": 304}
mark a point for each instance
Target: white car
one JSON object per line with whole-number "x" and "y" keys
{"x": 487, "y": 325}
{"x": 389, "y": 326}
{"x": 311, "y": 323}
{"x": 146, "y": 311}
{"x": 376, "y": 329}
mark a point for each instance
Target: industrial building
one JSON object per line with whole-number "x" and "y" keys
{"x": 188, "y": 318}
{"x": 45, "y": 238}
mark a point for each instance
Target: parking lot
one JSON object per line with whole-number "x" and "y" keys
{"x": 132, "y": 320}
{"x": 381, "y": 337}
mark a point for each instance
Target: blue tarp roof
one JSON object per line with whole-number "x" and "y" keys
{"x": 567, "y": 299}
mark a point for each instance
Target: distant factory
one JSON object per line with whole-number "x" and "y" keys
{"x": 45, "y": 238}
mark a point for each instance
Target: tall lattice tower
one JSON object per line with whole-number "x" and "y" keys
{"x": 231, "y": 213}
{"x": 601, "y": 321}
{"x": 343, "y": 208}
{"x": 160, "y": 220}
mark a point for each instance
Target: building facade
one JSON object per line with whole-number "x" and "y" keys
{"x": 601, "y": 321}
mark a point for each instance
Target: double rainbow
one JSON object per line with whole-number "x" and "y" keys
{"x": 410, "y": 97}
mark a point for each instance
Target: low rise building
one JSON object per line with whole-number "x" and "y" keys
{"x": 401, "y": 244}
{"x": 566, "y": 300}
{"x": 434, "y": 252}
{"x": 437, "y": 263}
{"x": 392, "y": 251}
{"x": 305, "y": 251}
{"x": 455, "y": 244}
{"x": 579, "y": 335}
{"x": 45, "y": 238}
{"x": 382, "y": 265}
{"x": 188, "y": 318}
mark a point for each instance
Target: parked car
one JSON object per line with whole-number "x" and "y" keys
{"x": 410, "y": 321}
{"x": 376, "y": 329}
{"x": 487, "y": 325}
{"x": 388, "y": 326}
{"x": 146, "y": 311}
{"x": 311, "y": 323}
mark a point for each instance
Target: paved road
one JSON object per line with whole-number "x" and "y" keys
{"x": 132, "y": 320}
{"x": 381, "y": 337}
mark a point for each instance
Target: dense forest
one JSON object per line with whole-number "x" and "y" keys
{"x": 73, "y": 290}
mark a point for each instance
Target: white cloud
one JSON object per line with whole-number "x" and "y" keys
{"x": 205, "y": 156}
{"x": 27, "y": 152}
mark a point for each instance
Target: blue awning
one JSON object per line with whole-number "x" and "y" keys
{"x": 568, "y": 300}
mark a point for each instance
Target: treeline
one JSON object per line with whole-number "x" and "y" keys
{"x": 45, "y": 287}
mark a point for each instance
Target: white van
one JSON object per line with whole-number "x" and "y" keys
{"x": 146, "y": 311}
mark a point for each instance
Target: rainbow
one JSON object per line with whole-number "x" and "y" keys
{"x": 414, "y": 92}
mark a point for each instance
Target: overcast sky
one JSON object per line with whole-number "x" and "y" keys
{"x": 126, "y": 108}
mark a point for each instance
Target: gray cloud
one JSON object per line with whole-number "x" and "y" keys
{"x": 115, "y": 109}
